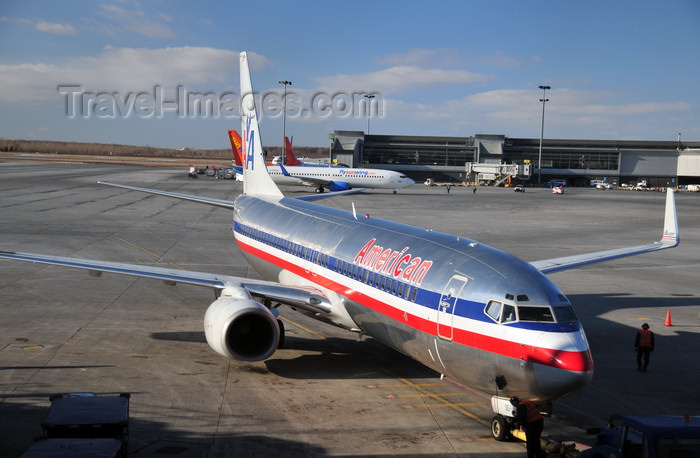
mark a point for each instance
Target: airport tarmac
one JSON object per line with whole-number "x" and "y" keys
{"x": 325, "y": 393}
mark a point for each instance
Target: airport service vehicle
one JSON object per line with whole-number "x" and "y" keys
{"x": 478, "y": 315}
{"x": 649, "y": 436}
{"x": 82, "y": 424}
{"x": 519, "y": 188}
{"x": 600, "y": 184}
{"x": 558, "y": 189}
{"x": 640, "y": 186}
{"x": 334, "y": 178}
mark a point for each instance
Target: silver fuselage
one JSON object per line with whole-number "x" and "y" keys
{"x": 425, "y": 294}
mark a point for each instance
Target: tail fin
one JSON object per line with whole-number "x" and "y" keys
{"x": 291, "y": 157}
{"x": 236, "y": 147}
{"x": 256, "y": 180}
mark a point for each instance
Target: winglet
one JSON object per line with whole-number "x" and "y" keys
{"x": 283, "y": 169}
{"x": 670, "y": 235}
{"x": 256, "y": 180}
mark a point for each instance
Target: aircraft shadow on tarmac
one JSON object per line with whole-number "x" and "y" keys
{"x": 338, "y": 358}
{"x": 191, "y": 336}
{"x": 330, "y": 358}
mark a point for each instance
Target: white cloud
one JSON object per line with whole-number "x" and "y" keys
{"x": 517, "y": 110}
{"x": 134, "y": 21}
{"x": 54, "y": 27}
{"x": 400, "y": 78}
{"x": 447, "y": 57}
{"x": 501, "y": 60}
{"x": 123, "y": 69}
{"x": 423, "y": 57}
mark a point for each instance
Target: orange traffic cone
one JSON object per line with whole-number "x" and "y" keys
{"x": 668, "y": 318}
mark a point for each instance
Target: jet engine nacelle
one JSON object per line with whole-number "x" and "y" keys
{"x": 241, "y": 329}
{"x": 338, "y": 186}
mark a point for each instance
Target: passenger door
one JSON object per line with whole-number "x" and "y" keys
{"x": 447, "y": 306}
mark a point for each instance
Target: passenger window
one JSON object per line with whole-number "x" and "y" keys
{"x": 508, "y": 314}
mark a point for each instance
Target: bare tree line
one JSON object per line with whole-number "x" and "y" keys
{"x": 103, "y": 149}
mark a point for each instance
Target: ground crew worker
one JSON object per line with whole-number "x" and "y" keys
{"x": 529, "y": 419}
{"x": 643, "y": 345}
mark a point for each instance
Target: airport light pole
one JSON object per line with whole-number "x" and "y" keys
{"x": 284, "y": 121}
{"x": 539, "y": 161}
{"x": 369, "y": 98}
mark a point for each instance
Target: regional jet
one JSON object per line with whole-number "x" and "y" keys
{"x": 335, "y": 178}
{"x": 478, "y": 315}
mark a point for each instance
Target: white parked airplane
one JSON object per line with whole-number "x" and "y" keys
{"x": 478, "y": 315}
{"x": 333, "y": 177}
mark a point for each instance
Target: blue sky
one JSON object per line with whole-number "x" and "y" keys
{"x": 120, "y": 71}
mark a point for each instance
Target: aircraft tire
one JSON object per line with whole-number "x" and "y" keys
{"x": 499, "y": 428}
{"x": 280, "y": 344}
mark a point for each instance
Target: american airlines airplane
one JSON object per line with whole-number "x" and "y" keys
{"x": 335, "y": 178}
{"x": 478, "y": 315}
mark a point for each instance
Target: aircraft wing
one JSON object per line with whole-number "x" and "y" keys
{"x": 224, "y": 203}
{"x": 305, "y": 298}
{"x": 669, "y": 239}
{"x": 202, "y": 200}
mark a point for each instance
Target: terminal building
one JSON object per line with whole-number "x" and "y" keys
{"x": 450, "y": 159}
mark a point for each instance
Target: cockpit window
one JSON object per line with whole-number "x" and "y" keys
{"x": 508, "y": 314}
{"x": 500, "y": 312}
{"x": 493, "y": 309}
{"x": 535, "y": 314}
{"x": 565, "y": 314}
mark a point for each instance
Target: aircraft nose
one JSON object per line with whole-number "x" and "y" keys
{"x": 571, "y": 369}
{"x": 554, "y": 382}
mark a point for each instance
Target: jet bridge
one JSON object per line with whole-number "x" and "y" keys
{"x": 495, "y": 174}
